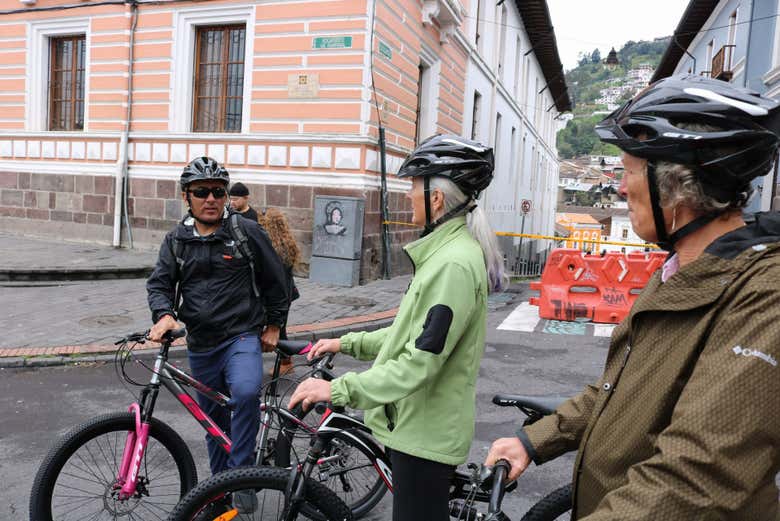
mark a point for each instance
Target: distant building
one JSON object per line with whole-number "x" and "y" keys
{"x": 581, "y": 227}
{"x": 612, "y": 59}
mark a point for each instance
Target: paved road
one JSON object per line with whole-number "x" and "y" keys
{"x": 39, "y": 404}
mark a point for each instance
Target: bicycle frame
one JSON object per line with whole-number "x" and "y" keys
{"x": 171, "y": 377}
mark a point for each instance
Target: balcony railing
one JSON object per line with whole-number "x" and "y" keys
{"x": 721, "y": 63}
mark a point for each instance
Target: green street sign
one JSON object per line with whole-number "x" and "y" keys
{"x": 331, "y": 42}
{"x": 385, "y": 50}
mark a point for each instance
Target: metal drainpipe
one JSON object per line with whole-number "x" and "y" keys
{"x": 120, "y": 185}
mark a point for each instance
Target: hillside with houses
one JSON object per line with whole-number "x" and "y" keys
{"x": 588, "y": 205}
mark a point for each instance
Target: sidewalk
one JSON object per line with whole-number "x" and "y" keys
{"x": 25, "y": 259}
{"x": 55, "y": 321}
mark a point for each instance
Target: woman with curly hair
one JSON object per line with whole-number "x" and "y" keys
{"x": 275, "y": 223}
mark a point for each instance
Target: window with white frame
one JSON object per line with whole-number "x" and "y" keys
{"x": 479, "y": 35}
{"x": 708, "y": 56}
{"x": 476, "y": 110}
{"x": 733, "y": 28}
{"x": 427, "y": 94}
{"x": 219, "y": 78}
{"x": 211, "y": 76}
{"x": 58, "y": 75}
{"x": 502, "y": 42}
{"x": 66, "y": 82}
{"x": 518, "y": 60}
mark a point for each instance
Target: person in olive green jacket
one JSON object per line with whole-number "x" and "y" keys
{"x": 684, "y": 423}
{"x": 419, "y": 395}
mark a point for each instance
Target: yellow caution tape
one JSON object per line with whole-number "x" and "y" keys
{"x": 549, "y": 237}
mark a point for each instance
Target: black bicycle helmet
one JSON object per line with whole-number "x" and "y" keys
{"x": 467, "y": 163}
{"x": 724, "y": 161}
{"x": 202, "y": 168}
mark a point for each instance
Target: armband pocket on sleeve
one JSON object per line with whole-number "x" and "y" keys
{"x": 435, "y": 329}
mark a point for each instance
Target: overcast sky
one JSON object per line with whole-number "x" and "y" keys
{"x": 585, "y": 25}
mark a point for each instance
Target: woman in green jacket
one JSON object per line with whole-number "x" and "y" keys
{"x": 419, "y": 394}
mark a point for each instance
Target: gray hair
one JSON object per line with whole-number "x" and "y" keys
{"x": 480, "y": 229}
{"x": 678, "y": 185}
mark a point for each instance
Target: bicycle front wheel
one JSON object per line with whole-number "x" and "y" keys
{"x": 77, "y": 479}
{"x": 217, "y": 496}
{"x": 551, "y": 506}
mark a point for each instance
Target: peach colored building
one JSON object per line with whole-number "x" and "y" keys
{"x": 102, "y": 103}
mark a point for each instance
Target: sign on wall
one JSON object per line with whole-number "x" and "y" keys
{"x": 331, "y": 42}
{"x": 385, "y": 50}
{"x": 303, "y": 85}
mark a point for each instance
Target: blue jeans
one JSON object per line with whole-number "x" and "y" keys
{"x": 236, "y": 367}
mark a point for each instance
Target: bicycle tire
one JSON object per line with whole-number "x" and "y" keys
{"x": 551, "y": 506}
{"x": 214, "y": 489}
{"x": 116, "y": 426}
{"x": 361, "y": 505}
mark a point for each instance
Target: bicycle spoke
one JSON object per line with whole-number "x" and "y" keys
{"x": 145, "y": 506}
{"x": 87, "y": 467}
{"x": 81, "y": 478}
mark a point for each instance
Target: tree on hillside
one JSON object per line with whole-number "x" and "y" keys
{"x": 595, "y": 56}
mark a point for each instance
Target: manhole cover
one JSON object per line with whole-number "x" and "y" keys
{"x": 106, "y": 320}
{"x": 355, "y": 302}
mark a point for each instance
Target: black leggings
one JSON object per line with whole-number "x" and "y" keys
{"x": 421, "y": 488}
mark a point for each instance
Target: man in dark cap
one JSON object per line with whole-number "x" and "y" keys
{"x": 239, "y": 200}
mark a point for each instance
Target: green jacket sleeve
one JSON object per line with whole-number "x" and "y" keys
{"x": 363, "y": 345}
{"x": 441, "y": 312}
{"x": 721, "y": 444}
{"x": 561, "y": 431}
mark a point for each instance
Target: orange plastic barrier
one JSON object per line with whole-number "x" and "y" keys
{"x": 576, "y": 286}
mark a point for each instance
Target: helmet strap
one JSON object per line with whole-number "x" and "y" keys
{"x": 189, "y": 211}
{"x": 658, "y": 214}
{"x": 427, "y": 194}
{"x": 468, "y": 205}
{"x": 666, "y": 241}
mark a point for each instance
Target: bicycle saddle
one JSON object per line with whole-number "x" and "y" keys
{"x": 544, "y": 405}
{"x": 292, "y": 347}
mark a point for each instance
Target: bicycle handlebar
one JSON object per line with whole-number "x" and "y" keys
{"x": 500, "y": 472}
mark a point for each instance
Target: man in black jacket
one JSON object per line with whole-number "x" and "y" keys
{"x": 223, "y": 308}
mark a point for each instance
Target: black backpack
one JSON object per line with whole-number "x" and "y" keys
{"x": 242, "y": 244}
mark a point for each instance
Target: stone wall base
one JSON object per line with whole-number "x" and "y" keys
{"x": 81, "y": 207}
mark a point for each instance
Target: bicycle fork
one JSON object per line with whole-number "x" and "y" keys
{"x": 135, "y": 445}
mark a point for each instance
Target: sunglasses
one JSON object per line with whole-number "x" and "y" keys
{"x": 202, "y": 192}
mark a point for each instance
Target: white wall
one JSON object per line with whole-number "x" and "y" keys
{"x": 534, "y": 174}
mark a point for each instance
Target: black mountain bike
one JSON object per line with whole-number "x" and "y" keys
{"x": 298, "y": 491}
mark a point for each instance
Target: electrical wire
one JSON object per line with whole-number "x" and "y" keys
{"x": 371, "y": 64}
{"x": 685, "y": 33}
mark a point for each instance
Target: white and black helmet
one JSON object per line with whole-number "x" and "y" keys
{"x": 202, "y": 168}
{"x": 725, "y": 161}
{"x": 466, "y": 163}
{"x": 655, "y": 125}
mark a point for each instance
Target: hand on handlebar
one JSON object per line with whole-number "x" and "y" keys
{"x": 165, "y": 324}
{"x": 309, "y": 392}
{"x": 324, "y": 345}
{"x": 511, "y": 450}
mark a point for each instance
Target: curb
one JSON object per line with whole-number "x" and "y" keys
{"x": 77, "y": 355}
{"x": 65, "y": 274}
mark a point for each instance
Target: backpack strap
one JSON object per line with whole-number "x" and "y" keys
{"x": 242, "y": 242}
{"x": 178, "y": 250}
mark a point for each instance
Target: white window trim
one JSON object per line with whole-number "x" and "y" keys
{"x": 183, "y": 67}
{"x": 37, "y": 92}
{"x": 731, "y": 38}
{"x": 429, "y": 117}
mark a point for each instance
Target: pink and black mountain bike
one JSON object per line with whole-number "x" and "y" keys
{"x": 130, "y": 465}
